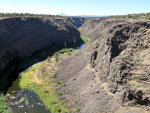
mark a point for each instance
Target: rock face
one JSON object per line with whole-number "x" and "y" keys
{"x": 25, "y": 36}
{"x": 77, "y": 21}
{"x": 22, "y": 37}
{"x": 112, "y": 74}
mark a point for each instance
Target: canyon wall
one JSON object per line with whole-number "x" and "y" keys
{"x": 23, "y": 37}
{"x": 111, "y": 74}
{"x": 77, "y": 21}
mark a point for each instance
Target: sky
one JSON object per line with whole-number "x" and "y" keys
{"x": 76, "y": 7}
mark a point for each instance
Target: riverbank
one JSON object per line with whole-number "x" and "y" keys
{"x": 3, "y": 104}
{"x": 40, "y": 79}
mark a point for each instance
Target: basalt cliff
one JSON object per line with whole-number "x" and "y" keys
{"x": 111, "y": 74}
{"x": 27, "y": 40}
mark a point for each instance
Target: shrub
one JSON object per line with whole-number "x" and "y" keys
{"x": 54, "y": 74}
{"x": 77, "y": 109}
{"x": 129, "y": 16}
{"x": 148, "y": 16}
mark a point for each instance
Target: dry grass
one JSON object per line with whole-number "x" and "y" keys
{"x": 40, "y": 80}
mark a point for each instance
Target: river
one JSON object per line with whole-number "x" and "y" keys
{"x": 26, "y": 101}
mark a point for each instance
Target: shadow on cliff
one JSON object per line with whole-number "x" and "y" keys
{"x": 18, "y": 64}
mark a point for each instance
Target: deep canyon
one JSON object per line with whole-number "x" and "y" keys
{"x": 25, "y": 41}
{"x": 111, "y": 74}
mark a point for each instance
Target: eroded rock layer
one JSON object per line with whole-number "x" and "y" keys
{"x": 111, "y": 74}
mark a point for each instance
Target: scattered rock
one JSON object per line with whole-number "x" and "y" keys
{"x": 119, "y": 58}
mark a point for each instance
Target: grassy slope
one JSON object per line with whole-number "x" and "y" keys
{"x": 3, "y": 104}
{"x": 41, "y": 80}
{"x": 44, "y": 86}
{"x": 86, "y": 39}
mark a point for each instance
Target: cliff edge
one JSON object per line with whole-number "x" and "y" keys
{"x": 111, "y": 74}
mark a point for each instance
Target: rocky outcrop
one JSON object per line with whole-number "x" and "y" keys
{"x": 91, "y": 27}
{"x": 77, "y": 21}
{"x": 22, "y": 38}
{"x": 112, "y": 74}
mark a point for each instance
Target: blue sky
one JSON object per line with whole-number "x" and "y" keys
{"x": 76, "y": 7}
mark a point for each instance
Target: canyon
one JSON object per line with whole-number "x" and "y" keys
{"x": 25, "y": 41}
{"x": 111, "y": 74}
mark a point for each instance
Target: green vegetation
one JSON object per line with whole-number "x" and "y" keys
{"x": 86, "y": 39}
{"x": 70, "y": 50}
{"x": 14, "y": 86}
{"x": 25, "y": 15}
{"x": 135, "y": 16}
{"x": 54, "y": 74}
{"x": 63, "y": 85}
{"x": 45, "y": 85}
{"x": 3, "y": 104}
{"x": 77, "y": 109}
{"x": 27, "y": 102}
{"x": 47, "y": 95}
{"x": 23, "y": 99}
{"x": 65, "y": 50}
